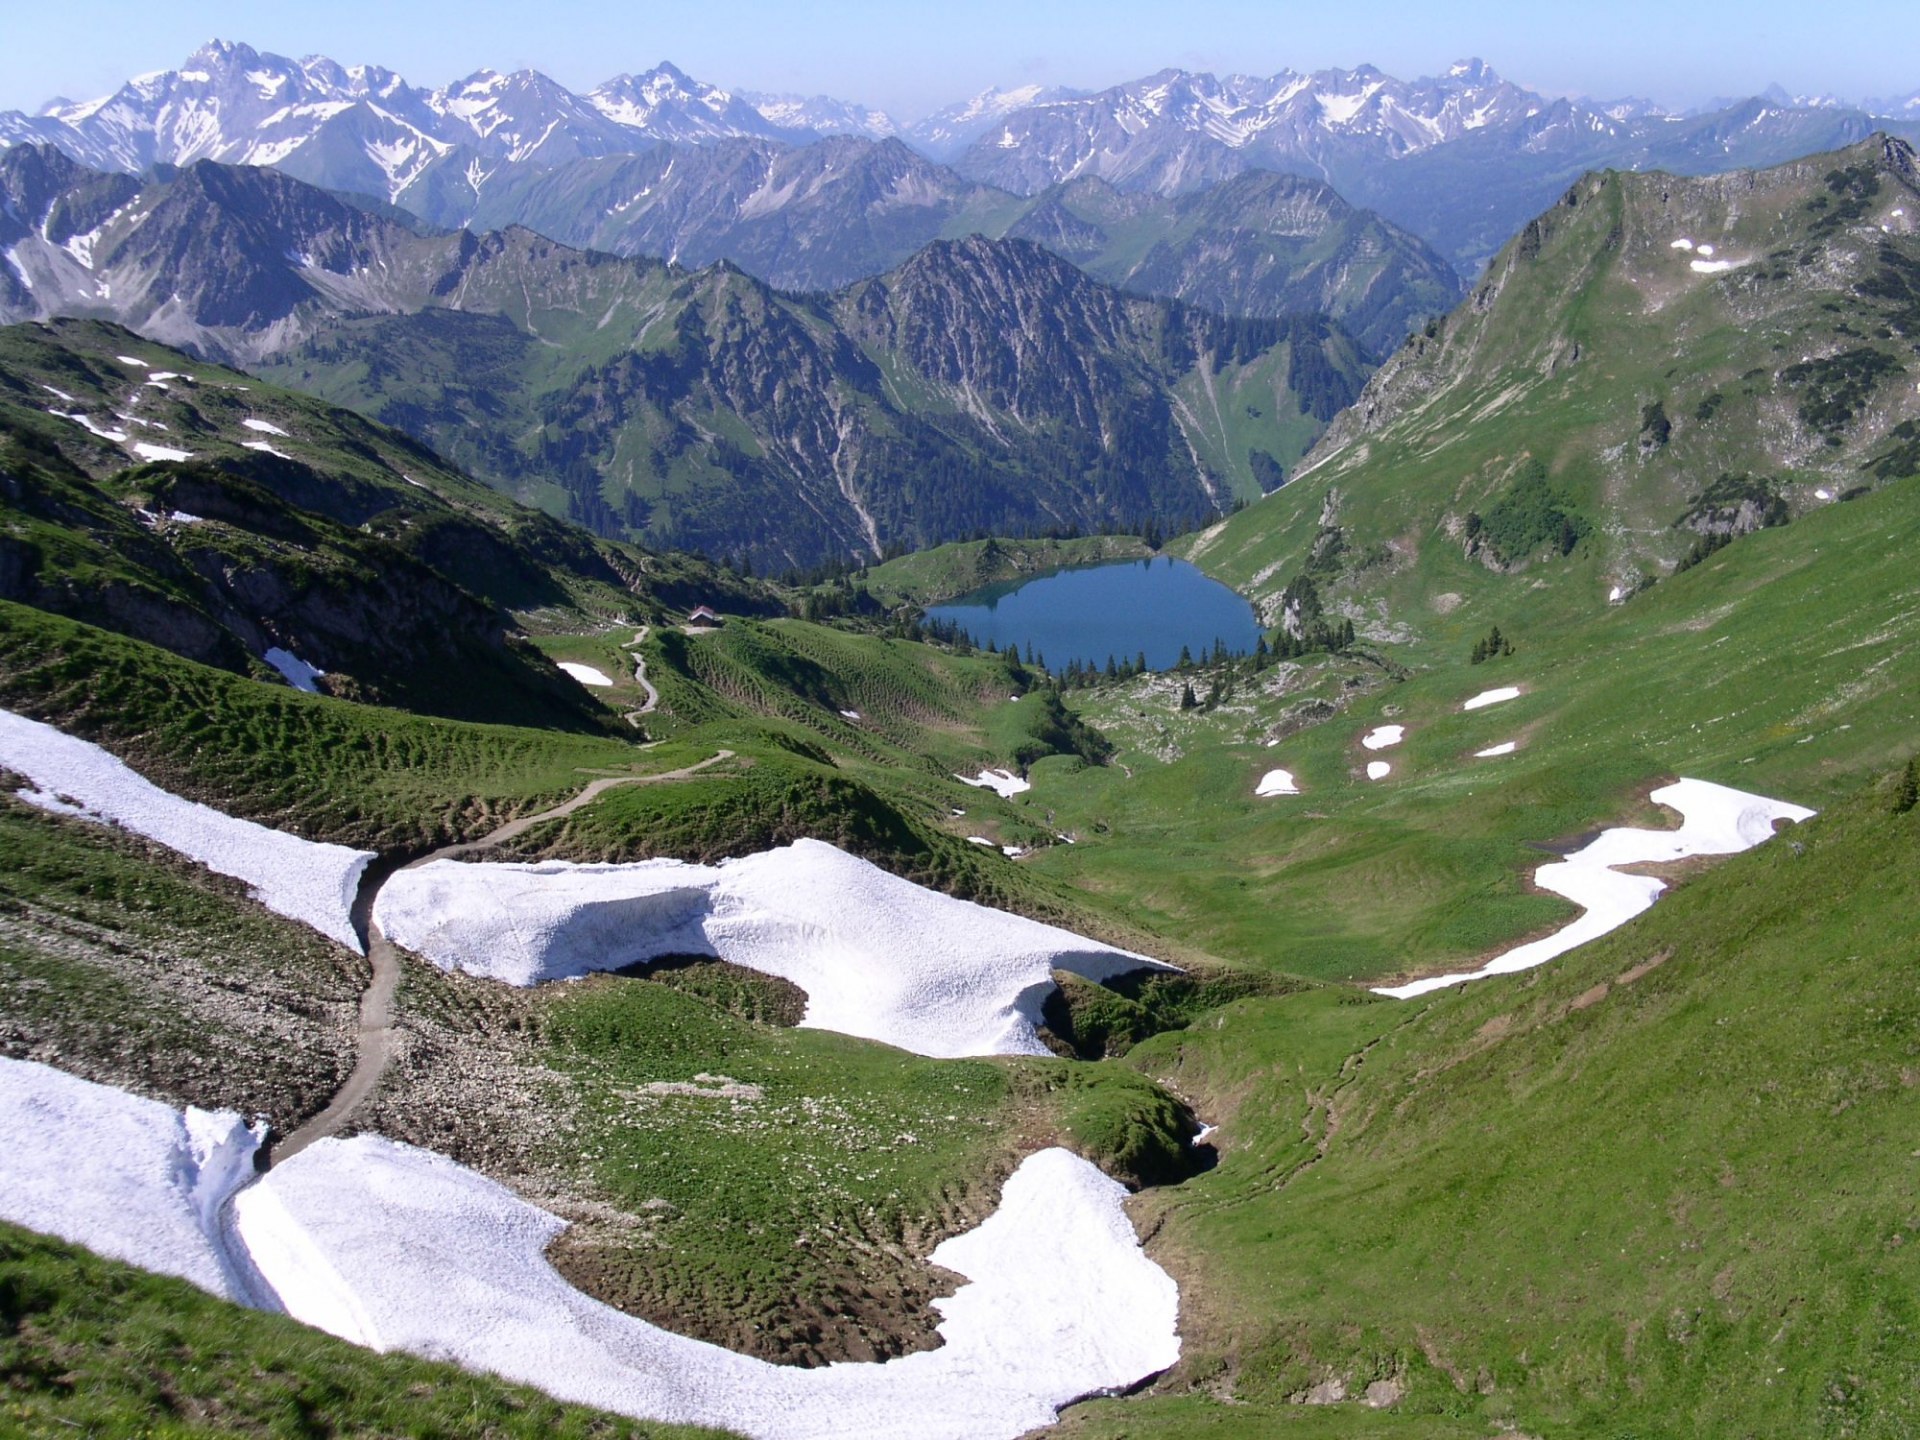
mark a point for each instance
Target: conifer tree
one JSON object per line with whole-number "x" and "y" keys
{"x": 1187, "y": 700}
{"x": 1907, "y": 793}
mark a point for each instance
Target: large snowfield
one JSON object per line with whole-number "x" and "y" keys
{"x": 401, "y": 1249}
{"x": 301, "y": 879}
{"x": 1716, "y": 820}
{"x": 879, "y": 957}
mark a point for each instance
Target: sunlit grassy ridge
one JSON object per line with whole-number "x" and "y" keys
{"x": 1662, "y": 1186}
{"x": 89, "y": 1346}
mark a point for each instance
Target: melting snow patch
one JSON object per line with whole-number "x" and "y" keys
{"x": 1715, "y": 821}
{"x": 297, "y": 672}
{"x": 264, "y": 448}
{"x": 402, "y": 1249}
{"x": 1277, "y": 782}
{"x": 1682, "y": 244}
{"x": 1003, "y": 783}
{"x": 849, "y": 714}
{"x": 186, "y": 517}
{"x": 879, "y": 957}
{"x": 1706, "y": 250}
{"x": 265, "y": 427}
{"x": 1823, "y": 494}
{"x": 129, "y": 360}
{"x": 1504, "y": 748}
{"x": 1386, "y": 735}
{"x": 1492, "y": 697}
{"x": 586, "y": 674}
{"x": 119, "y": 437}
{"x": 158, "y": 452}
{"x": 1378, "y": 769}
{"x": 1714, "y": 267}
{"x": 370, "y": 1239}
{"x": 130, "y": 1178}
{"x": 1616, "y": 595}
{"x": 300, "y": 879}
{"x": 59, "y": 394}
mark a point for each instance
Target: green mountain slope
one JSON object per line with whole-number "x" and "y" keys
{"x": 223, "y": 518}
{"x": 1660, "y": 1187}
{"x": 979, "y": 386}
{"x": 1607, "y": 400}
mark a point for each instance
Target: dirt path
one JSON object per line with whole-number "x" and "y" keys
{"x": 640, "y": 677}
{"x": 374, "y": 1044}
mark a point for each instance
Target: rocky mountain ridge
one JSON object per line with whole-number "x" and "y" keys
{"x": 982, "y": 385}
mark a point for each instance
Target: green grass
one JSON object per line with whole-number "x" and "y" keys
{"x": 325, "y": 768}
{"x": 772, "y": 1214}
{"x": 1784, "y": 664}
{"x": 1662, "y": 1186}
{"x": 92, "y": 1347}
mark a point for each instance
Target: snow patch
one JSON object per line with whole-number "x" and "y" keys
{"x": 1003, "y": 783}
{"x": 158, "y": 452}
{"x": 129, "y": 360}
{"x": 1506, "y": 747}
{"x": 265, "y": 427}
{"x": 879, "y": 957}
{"x": 849, "y": 714}
{"x": 132, "y": 1179}
{"x": 1384, "y": 736}
{"x": 1492, "y": 697}
{"x": 397, "y": 1247}
{"x": 297, "y": 672}
{"x": 1681, "y": 244}
{"x": 1715, "y": 267}
{"x": 1277, "y": 782}
{"x": 1823, "y": 494}
{"x": 265, "y": 448}
{"x": 119, "y": 437}
{"x": 587, "y": 674}
{"x": 1378, "y": 769}
{"x": 401, "y": 1249}
{"x": 301, "y": 879}
{"x": 1716, "y": 820}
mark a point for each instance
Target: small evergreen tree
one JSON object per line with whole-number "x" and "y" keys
{"x": 1186, "y": 659}
{"x": 1907, "y": 793}
{"x": 1187, "y": 700}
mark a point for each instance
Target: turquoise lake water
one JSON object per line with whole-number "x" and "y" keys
{"x": 1117, "y": 609}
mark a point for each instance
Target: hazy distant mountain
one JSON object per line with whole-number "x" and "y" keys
{"x": 822, "y": 216}
{"x": 951, "y": 129}
{"x": 365, "y": 128}
{"x": 822, "y": 115}
{"x": 1462, "y": 159}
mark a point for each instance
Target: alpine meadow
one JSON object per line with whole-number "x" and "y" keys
{"x": 550, "y": 885}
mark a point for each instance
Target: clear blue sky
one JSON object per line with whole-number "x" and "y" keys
{"x": 910, "y": 57}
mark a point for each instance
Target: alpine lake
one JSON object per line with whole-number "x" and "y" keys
{"x": 1116, "y": 610}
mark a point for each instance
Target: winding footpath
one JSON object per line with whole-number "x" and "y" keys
{"x": 374, "y": 1045}
{"x": 632, "y": 717}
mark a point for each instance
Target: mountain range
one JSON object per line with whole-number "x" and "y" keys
{"x": 1461, "y": 159}
{"x": 979, "y": 385}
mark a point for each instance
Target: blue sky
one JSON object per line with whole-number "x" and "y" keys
{"x": 910, "y": 57}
